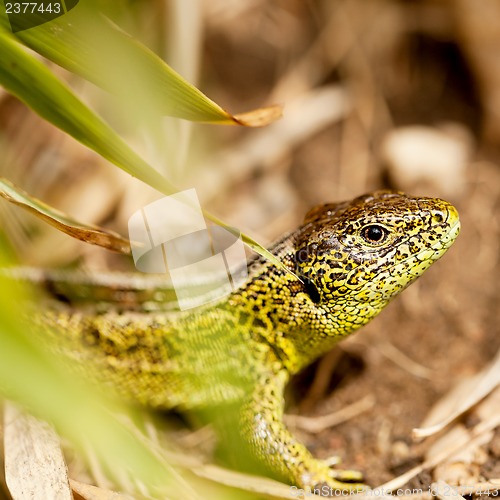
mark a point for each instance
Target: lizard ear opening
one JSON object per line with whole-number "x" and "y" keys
{"x": 311, "y": 290}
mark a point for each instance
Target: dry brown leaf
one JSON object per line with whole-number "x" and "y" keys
{"x": 259, "y": 117}
{"x": 318, "y": 424}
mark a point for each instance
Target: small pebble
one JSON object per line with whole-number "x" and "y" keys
{"x": 428, "y": 159}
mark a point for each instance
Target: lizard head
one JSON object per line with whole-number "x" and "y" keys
{"x": 360, "y": 254}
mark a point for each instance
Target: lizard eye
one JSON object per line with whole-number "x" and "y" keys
{"x": 374, "y": 234}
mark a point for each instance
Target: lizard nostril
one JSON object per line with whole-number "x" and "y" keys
{"x": 438, "y": 218}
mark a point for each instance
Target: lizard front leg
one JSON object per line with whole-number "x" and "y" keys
{"x": 271, "y": 444}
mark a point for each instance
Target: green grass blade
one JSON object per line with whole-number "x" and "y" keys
{"x": 32, "y": 82}
{"x": 85, "y": 42}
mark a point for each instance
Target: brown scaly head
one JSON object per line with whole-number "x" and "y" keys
{"x": 356, "y": 256}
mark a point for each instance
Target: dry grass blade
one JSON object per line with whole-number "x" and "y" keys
{"x": 318, "y": 424}
{"x": 89, "y": 492}
{"x": 261, "y": 485}
{"x": 84, "y": 232}
{"x": 321, "y": 381}
{"x": 403, "y": 361}
{"x": 466, "y": 396}
{"x": 219, "y": 475}
{"x": 34, "y": 463}
{"x": 470, "y": 439}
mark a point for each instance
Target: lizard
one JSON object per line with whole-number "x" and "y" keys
{"x": 229, "y": 361}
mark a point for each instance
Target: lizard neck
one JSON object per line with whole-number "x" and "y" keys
{"x": 282, "y": 311}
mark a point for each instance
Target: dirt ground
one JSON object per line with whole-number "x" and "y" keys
{"x": 349, "y": 74}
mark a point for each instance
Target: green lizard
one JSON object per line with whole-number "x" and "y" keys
{"x": 237, "y": 355}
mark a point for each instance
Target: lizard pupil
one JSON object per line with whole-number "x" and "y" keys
{"x": 374, "y": 233}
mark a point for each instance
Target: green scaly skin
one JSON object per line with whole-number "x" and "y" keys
{"x": 238, "y": 354}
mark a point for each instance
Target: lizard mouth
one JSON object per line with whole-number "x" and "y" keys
{"x": 440, "y": 247}
{"x": 451, "y": 223}
{"x": 450, "y": 236}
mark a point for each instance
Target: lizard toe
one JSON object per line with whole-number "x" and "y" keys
{"x": 347, "y": 476}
